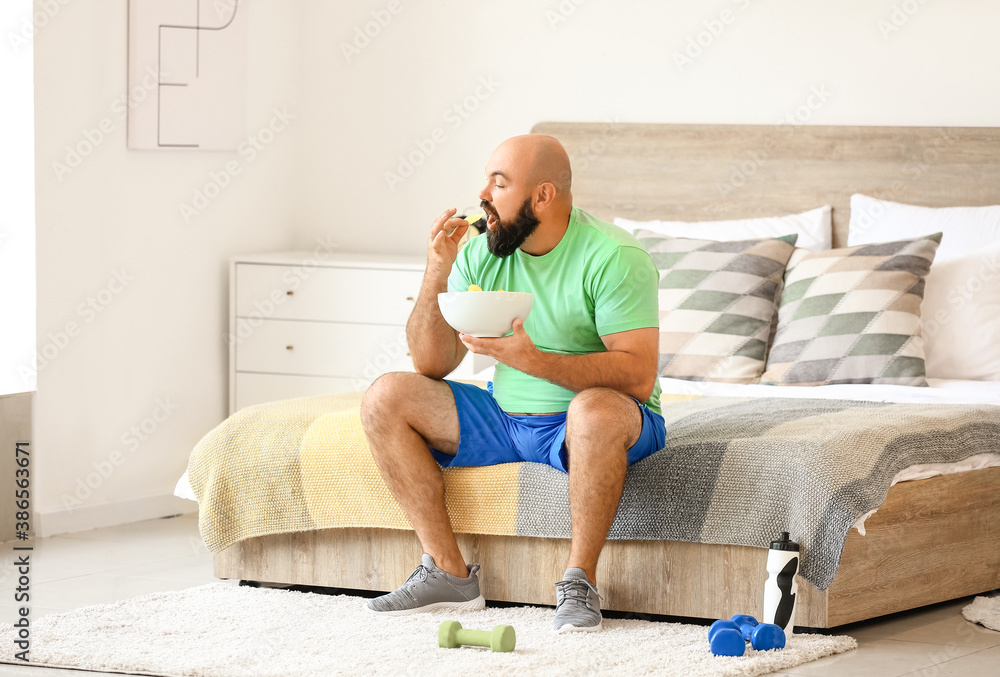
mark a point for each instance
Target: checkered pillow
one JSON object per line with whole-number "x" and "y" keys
{"x": 717, "y": 300}
{"x": 853, "y": 316}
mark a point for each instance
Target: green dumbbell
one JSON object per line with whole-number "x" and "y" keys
{"x": 451, "y": 635}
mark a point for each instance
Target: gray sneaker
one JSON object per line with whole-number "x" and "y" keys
{"x": 429, "y": 588}
{"x": 578, "y": 604}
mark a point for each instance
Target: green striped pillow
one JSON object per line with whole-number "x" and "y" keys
{"x": 853, "y": 316}
{"x": 717, "y": 301}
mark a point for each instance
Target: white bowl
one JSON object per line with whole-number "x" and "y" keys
{"x": 484, "y": 313}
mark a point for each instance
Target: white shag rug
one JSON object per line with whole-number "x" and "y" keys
{"x": 222, "y": 629}
{"x": 985, "y": 611}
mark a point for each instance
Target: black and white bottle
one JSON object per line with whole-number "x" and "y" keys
{"x": 780, "y": 589}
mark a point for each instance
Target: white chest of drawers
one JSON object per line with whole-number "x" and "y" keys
{"x": 300, "y": 325}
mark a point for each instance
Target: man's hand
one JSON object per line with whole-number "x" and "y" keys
{"x": 434, "y": 345}
{"x": 517, "y": 350}
{"x": 628, "y": 365}
{"x": 442, "y": 248}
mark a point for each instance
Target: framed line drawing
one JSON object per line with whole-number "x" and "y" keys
{"x": 188, "y": 59}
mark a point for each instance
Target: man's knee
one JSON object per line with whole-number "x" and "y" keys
{"x": 598, "y": 403}
{"x": 384, "y": 394}
{"x": 407, "y": 399}
{"x": 604, "y": 412}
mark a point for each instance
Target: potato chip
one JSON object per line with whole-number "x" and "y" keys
{"x": 475, "y": 287}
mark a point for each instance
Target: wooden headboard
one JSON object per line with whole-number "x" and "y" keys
{"x": 710, "y": 172}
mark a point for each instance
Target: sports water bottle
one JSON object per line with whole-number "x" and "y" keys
{"x": 780, "y": 588}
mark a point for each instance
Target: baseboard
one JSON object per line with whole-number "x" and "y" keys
{"x": 84, "y": 518}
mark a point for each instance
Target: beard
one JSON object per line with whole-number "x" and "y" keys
{"x": 507, "y": 236}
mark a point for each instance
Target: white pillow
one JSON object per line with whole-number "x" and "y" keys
{"x": 960, "y": 317}
{"x": 814, "y": 228}
{"x": 965, "y": 229}
{"x": 960, "y": 314}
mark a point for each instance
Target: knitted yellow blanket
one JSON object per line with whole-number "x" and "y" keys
{"x": 303, "y": 464}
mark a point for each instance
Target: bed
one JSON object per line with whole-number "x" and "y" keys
{"x": 930, "y": 539}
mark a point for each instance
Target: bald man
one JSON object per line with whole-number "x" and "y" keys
{"x": 575, "y": 385}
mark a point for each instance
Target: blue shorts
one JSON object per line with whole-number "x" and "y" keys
{"x": 489, "y": 435}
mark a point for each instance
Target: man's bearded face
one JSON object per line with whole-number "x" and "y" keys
{"x": 503, "y": 238}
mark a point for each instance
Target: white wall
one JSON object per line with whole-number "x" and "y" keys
{"x": 161, "y": 338}
{"x": 145, "y": 376}
{"x": 17, "y": 200}
{"x": 585, "y": 60}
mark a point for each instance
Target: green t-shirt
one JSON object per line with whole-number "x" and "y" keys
{"x": 598, "y": 280}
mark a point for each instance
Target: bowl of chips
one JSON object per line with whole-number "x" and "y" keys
{"x": 488, "y": 314}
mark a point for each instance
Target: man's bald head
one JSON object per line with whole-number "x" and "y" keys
{"x": 527, "y": 196}
{"x": 541, "y": 158}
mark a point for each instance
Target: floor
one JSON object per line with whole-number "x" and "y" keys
{"x": 107, "y": 565}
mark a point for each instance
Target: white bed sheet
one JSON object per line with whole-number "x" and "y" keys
{"x": 183, "y": 488}
{"x": 940, "y": 391}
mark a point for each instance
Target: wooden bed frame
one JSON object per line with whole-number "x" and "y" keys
{"x": 931, "y": 540}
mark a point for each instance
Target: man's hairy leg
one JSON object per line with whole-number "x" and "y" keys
{"x": 601, "y": 426}
{"x": 402, "y": 413}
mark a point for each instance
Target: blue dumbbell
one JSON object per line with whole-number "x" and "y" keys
{"x": 762, "y": 636}
{"x": 726, "y": 639}
{"x": 745, "y": 623}
{"x": 767, "y": 636}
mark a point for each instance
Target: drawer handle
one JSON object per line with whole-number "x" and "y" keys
{"x": 409, "y": 298}
{"x": 290, "y": 292}
{"x": 289, "y": 347}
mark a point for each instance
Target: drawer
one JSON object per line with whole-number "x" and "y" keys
{"x": 332, "y": 294}
{"x": 259, "y": 388}
{"x": 321, "y": 348}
